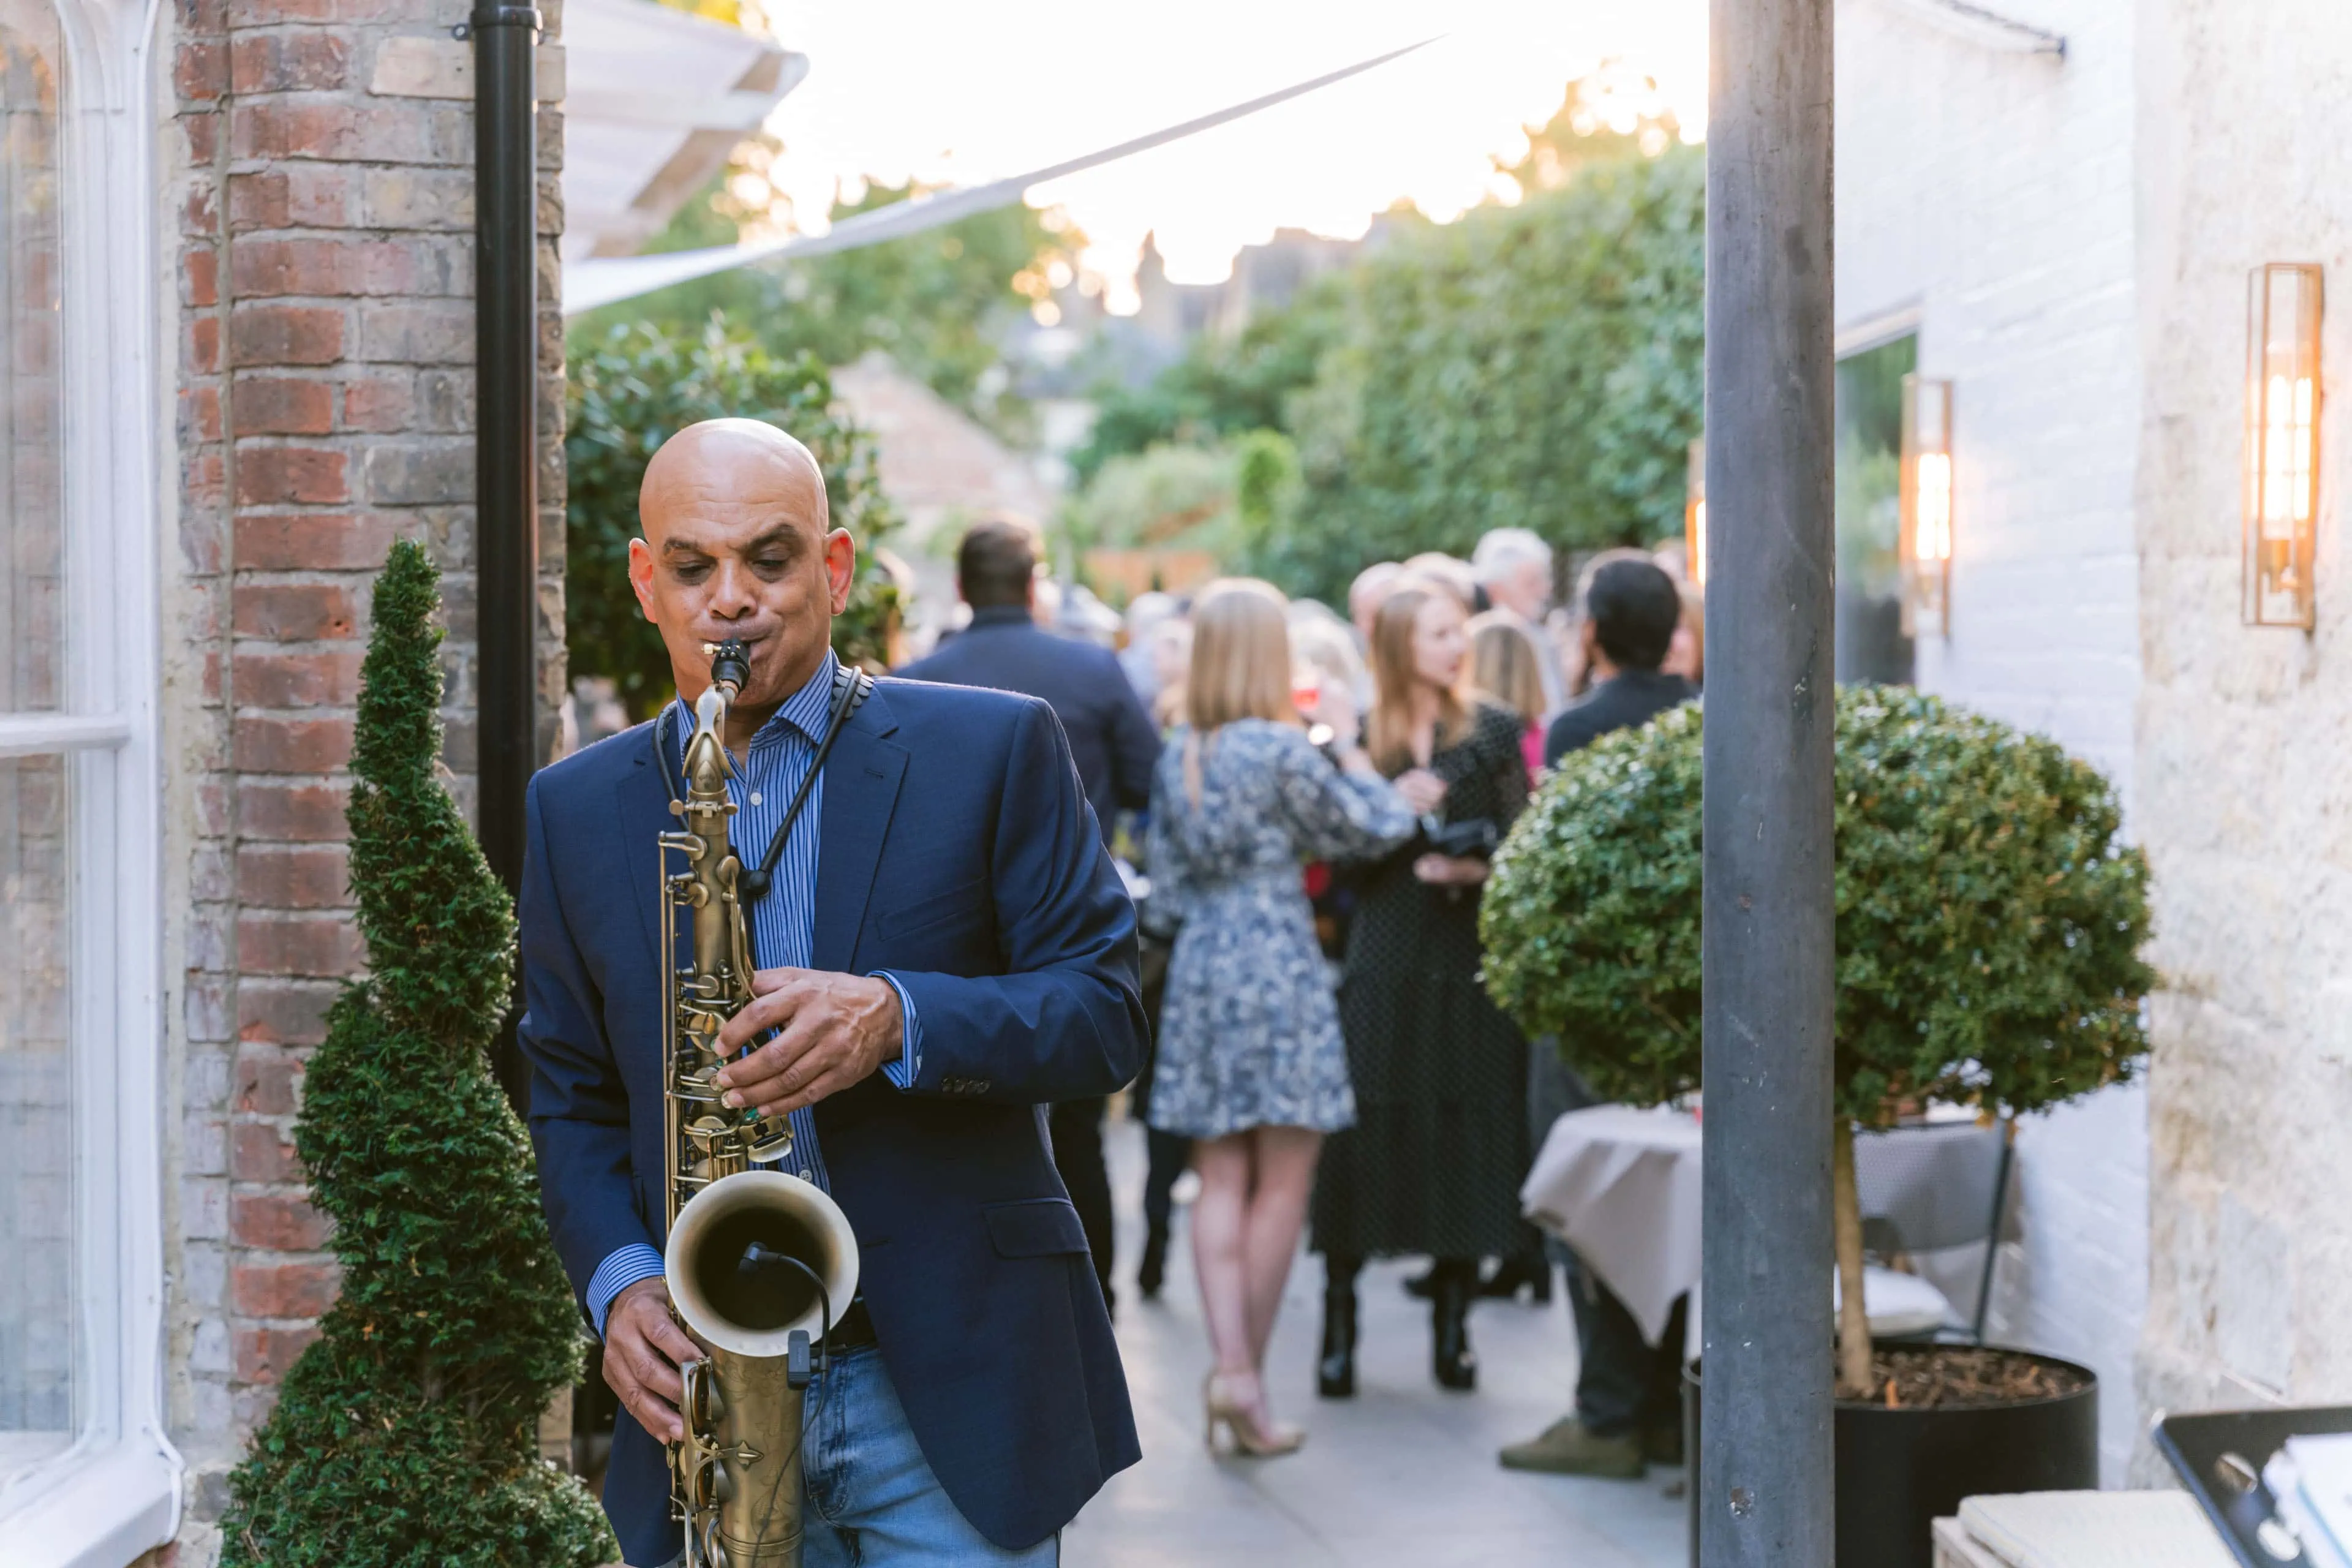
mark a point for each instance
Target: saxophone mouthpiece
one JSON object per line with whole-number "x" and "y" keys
{"x": 731, "y": 667}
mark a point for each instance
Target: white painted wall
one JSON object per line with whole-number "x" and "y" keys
{"x": 1987, "y": 193}
{"x": 2246, "y": 732}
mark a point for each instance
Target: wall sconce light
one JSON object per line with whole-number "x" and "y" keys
{"x": 2281, "y": 443}
{"x": 1695, "y": 515}
{"x": 1926, "y": 527}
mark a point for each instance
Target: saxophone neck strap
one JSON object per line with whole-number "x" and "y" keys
{"x": 851, "y": 688}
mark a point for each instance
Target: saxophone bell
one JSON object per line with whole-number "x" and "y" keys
{"x": 757, "y": 1257}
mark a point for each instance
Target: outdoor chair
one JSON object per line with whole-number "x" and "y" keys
{"x": 1932, "y": 1187}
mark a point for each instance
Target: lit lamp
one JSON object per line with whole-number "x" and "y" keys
{"x": 1926, "y": 528}
{"x": 2282, "y": 442}
{"x": 1695, "y": 515}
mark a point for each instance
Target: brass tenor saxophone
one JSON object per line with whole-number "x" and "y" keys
{"x": 759, "y": 1264}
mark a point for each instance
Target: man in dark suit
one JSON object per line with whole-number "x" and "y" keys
{"x": 1626, "y": 599}
{"x": 946, "y": 950}
{"x": 1628, "y": 1392}
{"x": 1111, "y": 741}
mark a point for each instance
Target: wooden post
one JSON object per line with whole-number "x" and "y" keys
{"x": 1765, "y": 1465}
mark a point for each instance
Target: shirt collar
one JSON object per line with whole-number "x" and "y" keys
{"x": 807, "y": 709}
{"x": 804, "y": 711}
{"x": 1001, "y": 615}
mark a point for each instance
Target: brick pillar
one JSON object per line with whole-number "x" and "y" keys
{"x": 324, "y": 270}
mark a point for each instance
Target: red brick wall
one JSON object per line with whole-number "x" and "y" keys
{"x": 320, "y": 198}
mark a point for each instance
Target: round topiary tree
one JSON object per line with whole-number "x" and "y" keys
{"x": 1989, "y": 926}
{"x": 406, "y": 1434}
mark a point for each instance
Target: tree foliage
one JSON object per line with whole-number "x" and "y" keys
{"x": 1222, "y": 387}
{"x": 1171, "y": 497}
{"x": 937, "y": 302}
{"x": 1535, "y": 366}
{"x": 406, "y": 1434}
{"x": 1989, "y": 918}
{"x": 634, "y": 389}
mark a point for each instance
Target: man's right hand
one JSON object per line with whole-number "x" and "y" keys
{"x": 642, "y": 1348}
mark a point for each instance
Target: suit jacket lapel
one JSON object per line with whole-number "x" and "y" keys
{"x": 861, "y": 791}
{"x": 643, "y": 796}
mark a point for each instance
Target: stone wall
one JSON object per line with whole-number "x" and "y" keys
{"x": 316, "y": 178}
{"x": 2245, "y": 733}
{"x": 1985, "y": 195}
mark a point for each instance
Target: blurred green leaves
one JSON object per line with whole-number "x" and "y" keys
{"x": 937, "y": 302}
{"x": 1535, "y": 366}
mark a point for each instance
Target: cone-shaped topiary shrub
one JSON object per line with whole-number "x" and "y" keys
{"x": 406, "y": 1435}
{"x": 1989, "y": 920}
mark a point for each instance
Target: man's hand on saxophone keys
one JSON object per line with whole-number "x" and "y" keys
{"x": 835, "y": 1030}
{"x": 642, "y": 1349}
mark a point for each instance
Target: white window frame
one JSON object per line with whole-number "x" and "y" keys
{"x": 115, "y": 1492}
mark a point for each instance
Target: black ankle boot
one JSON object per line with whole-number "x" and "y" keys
{"x": 1519, "y": 1273}
{"x": 1152, "y": 1272}
{"x": 1335, "y": 1372}
{"x": 1453, "y": 1362}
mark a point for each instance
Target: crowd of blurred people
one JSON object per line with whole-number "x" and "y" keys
{"x": 1305, "y": 803}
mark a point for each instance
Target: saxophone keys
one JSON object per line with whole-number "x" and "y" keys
{"x": 706, "y": 1483}
{"x": 707, "y": 1133}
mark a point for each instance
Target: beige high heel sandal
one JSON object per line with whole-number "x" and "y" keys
{"x": 1239, "y": 1423}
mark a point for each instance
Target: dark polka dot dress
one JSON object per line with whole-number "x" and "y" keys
{"x": 1439, "y": 1147}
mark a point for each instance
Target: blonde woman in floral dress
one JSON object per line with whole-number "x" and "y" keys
{"x": 1251, "y": 1062}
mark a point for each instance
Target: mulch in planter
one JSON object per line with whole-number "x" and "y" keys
{"x": 1952, "y": 1377}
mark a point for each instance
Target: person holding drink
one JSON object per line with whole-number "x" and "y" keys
{"x": 1433, "y": 1161}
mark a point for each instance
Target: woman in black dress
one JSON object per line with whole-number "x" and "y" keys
{"x": 1433, "y": 1162}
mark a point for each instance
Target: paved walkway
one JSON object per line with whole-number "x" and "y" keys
{"x": 1403, "y": 1473}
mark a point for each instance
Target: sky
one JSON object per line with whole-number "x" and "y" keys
{"x": 949, "y": 91}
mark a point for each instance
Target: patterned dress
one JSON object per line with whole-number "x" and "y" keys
{"x": 1249, "y": 1035}
{"x": 1435, "y": 1160}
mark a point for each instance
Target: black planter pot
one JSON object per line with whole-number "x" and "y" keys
{"x": 1899, "y": 1470}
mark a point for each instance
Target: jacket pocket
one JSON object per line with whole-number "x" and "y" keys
{"x": 1035, "y": 1227}
{"x": 957, "y": 903}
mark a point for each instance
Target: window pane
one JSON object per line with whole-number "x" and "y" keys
{"x": 36, "y": 1206}
{"x": 1871, "y": 644}
{"x": 32, "y": 404}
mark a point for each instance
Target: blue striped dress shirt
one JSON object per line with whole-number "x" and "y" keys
{"x": 784, "y": 921}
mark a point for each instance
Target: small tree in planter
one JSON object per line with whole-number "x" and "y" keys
{"x": 1989, "y": 927}
{"x": 405, "y": 1436}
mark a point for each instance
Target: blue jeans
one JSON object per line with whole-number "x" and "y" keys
{"x": 873, "y": 1499}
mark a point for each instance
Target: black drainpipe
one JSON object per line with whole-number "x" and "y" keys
{"x": 506, "y": 483}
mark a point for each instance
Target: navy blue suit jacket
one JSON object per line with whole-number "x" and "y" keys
{"x": 1112, "y": 738}
{"x": 956, "y": 853}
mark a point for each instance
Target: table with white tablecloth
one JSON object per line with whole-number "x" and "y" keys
{"x": 1622, "y": 1186}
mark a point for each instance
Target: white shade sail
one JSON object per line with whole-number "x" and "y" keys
{"x": 606, "y": 281}
{"x": 655, "y": 100}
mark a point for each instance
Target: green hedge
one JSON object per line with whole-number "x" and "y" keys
{"x": 1537, "y": 366}
{"x": 1989, "y": 919}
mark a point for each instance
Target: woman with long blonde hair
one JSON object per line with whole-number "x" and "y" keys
{"x": 1250, "y": 1064}
{"x": 1507, "y": 669}
{"x": 1433, "y": 1161}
